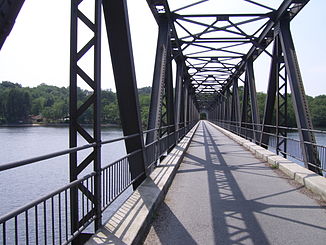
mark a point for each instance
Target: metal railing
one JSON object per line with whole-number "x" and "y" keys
{"x": 47, "y": 219}
{"x": 287, "y": 144}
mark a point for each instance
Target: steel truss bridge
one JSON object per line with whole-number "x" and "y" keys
{"x": 214, "y": 55}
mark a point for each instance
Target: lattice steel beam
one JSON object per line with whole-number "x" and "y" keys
{"x": 76, "y": 112}
{"x": 310, "y": 154}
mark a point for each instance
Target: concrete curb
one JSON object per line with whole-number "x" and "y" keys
{"x": 309, "y": 179}
{"x": 131, "y": 221}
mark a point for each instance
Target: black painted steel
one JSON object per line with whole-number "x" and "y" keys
{"x": 178, "y": 93}
{"x": 75, "y": 128}
{"x": 212, "y": 52}
{"x": 271, "y": 92}
{"x": 250, "y": 80}
{"x": 159, "y": 79}
{"x": 235, "y": 104}
{"x": 118, "y": 31}
{"x": 299, "y": 100}
{"x": 9, "y": 11}
{"x": 245, "y": 113}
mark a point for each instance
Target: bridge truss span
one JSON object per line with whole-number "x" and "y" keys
{"x": 218, "y": 44}
{"x": 213, "y": 45}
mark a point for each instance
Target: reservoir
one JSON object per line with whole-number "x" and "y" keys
{"x": 22, "y": 185}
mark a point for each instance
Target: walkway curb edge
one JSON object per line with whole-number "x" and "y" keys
{"x": 309, "y": 179}
{"x": 131, "y": 221}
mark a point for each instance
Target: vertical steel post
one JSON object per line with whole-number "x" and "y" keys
{"x": 158, "y": 86}
{"x": 75, "y": 126}
{"x": 178, "y": 92}
{"x": 74, "y": 219}
{"x": 245, "y": 109}
{"x": 271, "y": 93}
{"x": 227, "y": 105}
{"x": 282, "y": 111}
{"x": 300, "y": 104}
{"x": 220, "y": 108}
{"x": 169, "y": 97}
{"x": 118, "y": 31}
{"x": 186, "y": 100}
{"x": 253, "y": 98}
{"x": 235, "y": 107}
{"x": 97, "y": 114}
{"x": 223, "y": 107}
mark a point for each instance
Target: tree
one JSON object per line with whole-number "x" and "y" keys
{"x": 38, "y": 105}
{"x": 111, "y": 113}
{"x": 318, "y": 111}
{"x": 144, "y": 101}
{"x": 18, "y": 105}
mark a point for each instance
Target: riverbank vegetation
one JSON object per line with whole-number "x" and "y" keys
{"x": 50, "y": 104}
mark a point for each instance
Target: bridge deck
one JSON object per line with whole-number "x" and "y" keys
{"x": 222, "y": 194}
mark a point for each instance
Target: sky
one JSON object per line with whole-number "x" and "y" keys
{"x": 37, "y": 49}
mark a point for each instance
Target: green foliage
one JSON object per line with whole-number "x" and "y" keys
{"x": 261, "y": 98}
{"x": 15, "y": 103}
{"x": 318, "y": 110}
{"x": 144, "y": 101}
{"x": 145, "y": 91}
{"x": 51, "y": 103}
{"x": 110, "y": 113}
{"x": 316, "y": 105}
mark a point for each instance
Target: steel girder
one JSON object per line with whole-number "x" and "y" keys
{"x": 169, "y": 98}
{"x": 250, "y": 80}
{"x": 158, "y": 85}
{"x": 186, "y": 103}
{"x": 245, "y": 113}
{"x": 271, "y": 93}
{"x": 9, "y": 10}
{"x": 235, "y": 105}
{"x": 117, "y": 25}
{"x": 276, "y": 84}
{"x": 218, "y": 53}
{"x": 227, "y": 105}
{"x": 288, "y": 8}
{"x": 178, "y": 93}
{"x": 303, "y": 119}
{"x": 218, "y": 48}
{"x": 76, "y": 112}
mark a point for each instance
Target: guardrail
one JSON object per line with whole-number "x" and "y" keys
{"x": 281, "y": 140}
{"x": 47, "y": 219}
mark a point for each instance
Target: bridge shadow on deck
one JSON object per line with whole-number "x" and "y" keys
{"x": 230, "y": 217}
{"x": 232, "y": 214}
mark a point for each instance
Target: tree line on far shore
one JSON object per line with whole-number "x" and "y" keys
{"x": 50, "y": 104}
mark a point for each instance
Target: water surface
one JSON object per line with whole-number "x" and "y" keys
{"x": 21, "y": 185}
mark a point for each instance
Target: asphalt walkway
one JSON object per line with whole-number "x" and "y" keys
{"x": 222, "y": 194}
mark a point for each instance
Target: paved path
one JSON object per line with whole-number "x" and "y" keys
{"x": 223, "y": 195}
